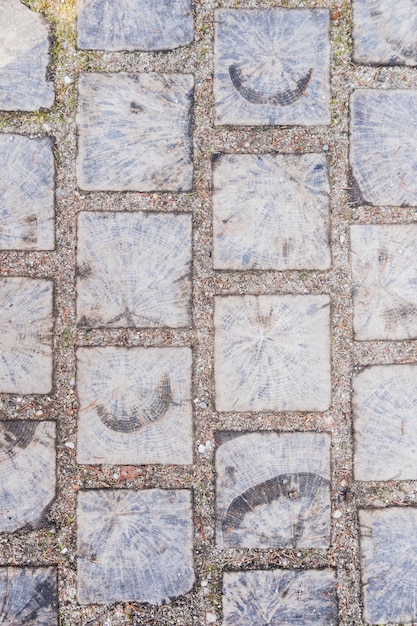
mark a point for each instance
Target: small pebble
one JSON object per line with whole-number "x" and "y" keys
{"x": 211, "y": 618}
{"x": 204, "y": 583}
{"x": 39, "y": 412}
{"x": 69, "y": 444}
{"x": 325, "y": 147}
{"x": 68, "y": 80}
{"x": 202, "y": 405}
{"x": 64, "y": 550}
{"x": 337, "y": 514}
{"x": 201, "y": 448}
{"x": 116, "y": 476}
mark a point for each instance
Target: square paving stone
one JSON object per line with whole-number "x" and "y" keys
{"x": 26, "y": 193}
{"x": 134, "y": 132}
{"x": 388, "y": 564}
{"x": 273, "y": 490}
{"x": 27, "y": 473}
{"x": 134, "y": 24}
{"x": 271, "y": 211}
{"x": 135, "y": 405}
{"x": 384, "y": 267}
{"x": 385, "y": 426}
{"x": 26, "y": 325}
{"x": 384, "y": 32}
{"x": 383, "y": 141}
{"x": 272, "y": 353}
{"x": 272, "y": 66}
{"x": 24, "y": 53}
{"x": 28, "y": 595}
{"x": 134, "y": 546}
{"x": 134, "y": 270}
{"x": 277, "y": 597}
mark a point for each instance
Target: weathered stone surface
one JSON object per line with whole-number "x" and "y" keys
{"x": 271, "y": 211}
{"x": 388, "y": 555}
{"x": 272, "y": 66}
{"x": 27, "y": 473}
{"x": 25, "y": 335}
{"x": 273, "y": 490}
{"x": 383, "y": 143}
{"x": 26, "y": 193}
{"x": 384, "y": 32}
{"x": 134, "y": 24}
{"x": 277, "y": 597}
{"x": 28, "y": 596}
{"x": 135, "y": 405}
{"x": 134, "y": 132}
{"x": 272, "y": 353}
{"x": 134, "y": 546}
{"x": 134, "y": 269}
{"x": 384, "y": 266}
{"x": 24, "y": 57}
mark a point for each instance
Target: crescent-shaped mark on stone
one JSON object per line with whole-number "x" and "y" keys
{"x": 256, "y": 96}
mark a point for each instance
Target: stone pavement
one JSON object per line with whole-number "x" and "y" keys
{"x": 208, "y": 312}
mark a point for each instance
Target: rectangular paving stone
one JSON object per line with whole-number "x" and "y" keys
{"x": 271, "y": 211}
{"x": 26, "y": 325}
{"x": 273, "y": 490}
{"x": 272, "y": 353}
{"x": 272, "y": 66}
{"x": 134, "y": 24}
{"x": 135, "y": 405}
{"x": 384, "y": 266}
{"x": 134, "y": 269}
{"x": 26, "y": 193}
{"x": 134, "y": 546}
{"x": 29, "y": 596}
{"x": 134, "y": 132}
{"x": 383, "y": 140}
{"x": 277, "y": 597}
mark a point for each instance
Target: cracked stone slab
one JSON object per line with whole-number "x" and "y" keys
{"x": 134, "y": 270}
{"x": 388, "y": 562}
{"x": 272, "y": 67}
{"x": 134, "y": 24}
{"x": 384, "y": 265}
{"x": 134, "y": 546}
{"x": 29, "y": 596}
{"x": 134, "y": 132}
{"x": 27, "y": 473}
{"x": 135, "y": 405}
{"x": 383, "y": 140}
{"x": 26, "y": 193}
{"x": 271, "y": 211}
{"x": 273, "y": 490}
{"x": 24, "y": 59}
{"x": 384, "y": 32}
{"x": 26, "y": 324}
{"x": 277, "y": 597}
{"x": 272, "y": 353}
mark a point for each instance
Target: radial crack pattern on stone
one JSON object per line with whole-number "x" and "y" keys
{"x": 383, "y": 143}
{"x": 134, "y": 270}
{"x": 272, "y": 353}
{"x": 271, "y": 211}
{"x": 134, "y": 24}
{"x": 28, "y": 596}
{"x": 27, "y": 473}
{"x": 134, "y": 546}
{"x": 277, "y": 597}
{"x": 272, "y": 66}
{"x": 25, "y": 335}
{"x": 273, "y": 490}
{"x": 134, "y": 132}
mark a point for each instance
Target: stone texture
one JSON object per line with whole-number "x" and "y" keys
{"x": 26, "y": 193}
{"x": 384, "y": 266}
{"x": 277, "y": 597}
{"x": 134, "y": 546}
{"x": 383, "y": 143}
{"x": 134, "y": 270}
{"x": 134, "y": 132}
{"x": 25, "y": 335}
{"x": 135, "y": 405}
{"x": 272, "y": 66}
{"x": 28, "y": 596}
{"x": 272, "y": 353}
{"x": 24, "y": 57}
{"x": 134, "y": 24}
{"x": 273, "y": 490}
{"x": 271, "y": 211}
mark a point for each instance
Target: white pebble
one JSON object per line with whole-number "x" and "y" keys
{"x": 204, "y": 583}
{"x": 68, "y": 80}
{"x": 69, "y": 444}
{"x": 211, "y": 618}
{"x": 115, "y": 476}
{"x": 337, "y": 514}
{"x": 64, "y": 550}
{"x": 39, "y": 412}
{"x": 325, "y": 147}
{"x": 201, "y": 448}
